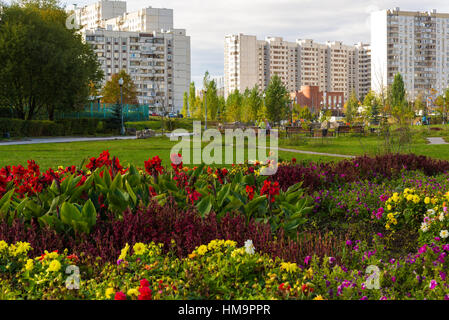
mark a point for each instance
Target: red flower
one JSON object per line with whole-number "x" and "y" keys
{"x": 144, "y": 283}
{"x": 153, "y": 166}
{"x": 270, "y": 189}
{"x": 120, "y": 296}
{"x": 250, "y": 192}
{"x": 176, "y": 161}
{"x": 152, "y": 191}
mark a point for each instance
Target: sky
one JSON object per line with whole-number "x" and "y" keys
{"x": 207, "y": 22}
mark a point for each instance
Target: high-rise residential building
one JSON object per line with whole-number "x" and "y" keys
{"x": 333, "y": 67}
{"x": 414, "y": 44}
{"x": 144, "y": 44}
{"x": 92, "y": 15}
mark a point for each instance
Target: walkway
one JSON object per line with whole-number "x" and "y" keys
{"x": 79, "y": 139}
{"x": 436, "y": 141}
{"x": 316, "y": 153}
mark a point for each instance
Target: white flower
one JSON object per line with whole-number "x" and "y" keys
{"x": 441, "y": 217}
{"x": 444, "y": 234}
{"x": 249, "y": 247}
{"x": 430, "y": 212}
{"x": 424, "y": 227}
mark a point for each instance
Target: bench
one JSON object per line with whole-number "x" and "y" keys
{"x": 297, "y": 130}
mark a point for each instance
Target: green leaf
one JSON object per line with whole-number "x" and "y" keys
{"x": 131, "y": 192}
{"x": 117, "y": 183}
{"x": 204, "y": 206}
{"x": 223, "y": 194}
{"x": 89, "y": 214}
{"x": 69, "y": 213}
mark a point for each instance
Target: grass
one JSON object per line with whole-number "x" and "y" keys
{"x": 128, "y": 151}
{"x": 371, "y": 144}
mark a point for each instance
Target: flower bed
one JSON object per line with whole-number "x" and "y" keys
{"x": 309, "y": 232}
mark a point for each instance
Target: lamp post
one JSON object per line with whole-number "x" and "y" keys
{"x": 120, "y": 82}
{"x": 205, "y": 108}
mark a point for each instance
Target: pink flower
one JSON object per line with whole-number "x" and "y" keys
{"x": 433, "y": 284}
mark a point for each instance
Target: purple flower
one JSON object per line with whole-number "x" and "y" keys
{"x": 331, "y": 260}
{"x": 348, "y": 242}
{"x": 119, "y": 261}
{"x": 433, "y": 284}
{"x": 364, "y": 298}
{"x": 393, "y": 278}
{"x": 307, "y": 260}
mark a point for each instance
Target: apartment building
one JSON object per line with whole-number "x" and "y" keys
{"x": 332, "y": 67}
{"x": 414, "y": 44}
{"x": 92, "y": 15}
{"x": 145, "y": 44}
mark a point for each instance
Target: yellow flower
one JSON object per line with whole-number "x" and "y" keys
{"x": 29, "y": 265}
{"x": 139, "y": 248}
{"x": 3, "y": 245}
{"x": 133, "y": 292}
{"x": 124, "y": 252}
{"x": 289, "y": 267}
{"x": 202, "y": 250}
{"x": 55, "y": 265}
{"x": 319, "y": 297}
{"x": 426, "y": 200}
{"x": 19, "y": 247}
{"x": 109, "y": 292}
{"x": 389, "y": 207}
{"x": 416, "y": 199}
{"x": 409, "y": 197}
{"x": 60, "y": 168}
{"x": 51, "y": 255}
{"x": 192, "y": 255}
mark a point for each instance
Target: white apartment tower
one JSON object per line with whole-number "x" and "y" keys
{"x": 414, "y": 44}
{"x": 144, "y": 44}
{"x": 332, "y": 66}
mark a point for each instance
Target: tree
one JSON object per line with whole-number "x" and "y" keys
{"x": 44, "y": 65}
{"x": 111, "y": 90}
{"x": 372, "y": 103}
{"x": 351, "y": 107}
{"x": 253, "y": 104}
{"x": 192, "y": 99}
{"x": 442, "y": 102}
{"x": 400, "y": 108}
{"x": 276, "y": 100}
{"x": 211, "y": 97}
{"x": 234, "y": 106}
{"x": 185, "y": 106}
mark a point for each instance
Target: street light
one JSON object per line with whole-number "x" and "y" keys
{"x": 120, "y": 82}
{"x": 205, "y": 107}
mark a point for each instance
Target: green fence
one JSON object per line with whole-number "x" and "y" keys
{"x": 106, "y": 110}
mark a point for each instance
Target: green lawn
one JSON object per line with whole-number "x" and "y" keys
{"x": 369, "y": 144}
{"x": 128, "y": 151}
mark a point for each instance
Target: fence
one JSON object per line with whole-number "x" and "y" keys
{"x": 106, "y": 110}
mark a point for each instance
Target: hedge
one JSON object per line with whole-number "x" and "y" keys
{"x": 42, "y": 128}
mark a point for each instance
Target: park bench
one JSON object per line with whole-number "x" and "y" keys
{"x": 358, "y": 129}
{"x": 343, "y": 129}
{"x": 297, "y": 130}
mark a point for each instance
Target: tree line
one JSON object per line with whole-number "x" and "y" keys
{"x": 44, "y": 66}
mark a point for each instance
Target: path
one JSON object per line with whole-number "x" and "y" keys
{"x": 316, "y": 153}
{"x": 74, "y": 139}
{"x": 437, "y": 141}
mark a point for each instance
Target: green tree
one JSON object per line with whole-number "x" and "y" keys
{"x": 399, "y": 105}
{"x": 192, "y": 99}
{"x": 211, "y": 97}
{"x": 372, "y": 104}
{"x": 185, "y": 105}
{"x": 44, "y": 65}
{"x": 234, "y": 106}
{"x": 111, "y": 90}
{"x": 276, "y": 100}
{"x": 253, "y": 104}
{"x": 351, "y": 107}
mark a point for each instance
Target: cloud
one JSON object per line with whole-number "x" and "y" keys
{"x": 207, "y": 22}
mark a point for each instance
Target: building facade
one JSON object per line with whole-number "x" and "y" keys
{"x": 145, "y": 45}
{"x": 414, "y": 44}
{"x": 316, "y": 99}
{"x": 333, "y": 67}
